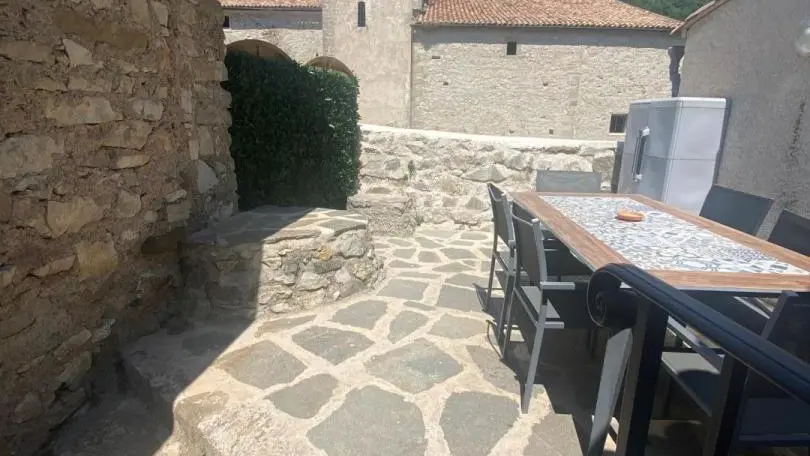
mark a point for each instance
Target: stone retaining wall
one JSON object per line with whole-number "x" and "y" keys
{"x": 411, "y": 177}
{"x": 279, "y": 259}
{"x": 113, "y": 137}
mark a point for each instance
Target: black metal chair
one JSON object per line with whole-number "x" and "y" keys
{"x": 735, "y": 209}
{"x": 768, "y": 418}
{"x": 792, "y": 232}
{"x": 502, "y": 234}
{"x": 543, "y": 304}
{"x": 568, "y": 181}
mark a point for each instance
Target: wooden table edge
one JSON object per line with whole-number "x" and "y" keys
{"x": 568, "y": 232}
{"x": 598, "y": 254}
{"x": 780, "y": 253}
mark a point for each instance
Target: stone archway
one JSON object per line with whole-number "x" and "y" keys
{"x": 259, "y": 48}
{"x": 331, "y": 63}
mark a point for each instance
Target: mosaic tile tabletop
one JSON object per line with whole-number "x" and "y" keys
{"x": 662, "y": 241}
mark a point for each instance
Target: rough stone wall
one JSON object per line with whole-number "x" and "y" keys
{"x": 378, "y": 54}
{"x": 562, "y": 83}
{"x": 113, "y": 137}
{"x": 297, "y": 33}
{"x": 441, "y": 176}
{"x": 766, "y": 81}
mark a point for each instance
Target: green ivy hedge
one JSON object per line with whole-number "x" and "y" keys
{"x": 295, "y": 133}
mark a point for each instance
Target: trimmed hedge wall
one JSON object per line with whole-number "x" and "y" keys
{"x": 295, "y": 133}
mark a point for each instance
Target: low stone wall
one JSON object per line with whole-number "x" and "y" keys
{"x": 113, "y": 138}
{"x": 279, "y": 259}
{"x": 411, "y": 177}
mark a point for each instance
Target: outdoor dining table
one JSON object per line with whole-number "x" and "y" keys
{"x": 686, "y": 251}
{"x": 689, "y": 252}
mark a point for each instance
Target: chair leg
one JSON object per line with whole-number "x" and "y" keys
{"x": 534, "y": 360}
{"x": 491, "y": 277}
{"x": 508, "y": 324}
{"x": 507, "y": 304}
{"x": 613, "y": 369}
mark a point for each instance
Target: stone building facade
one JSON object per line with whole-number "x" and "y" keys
{"x": 113, "y": 140}
{"x": 298, "y": 33}
{"x": 563, "y": 83}
{"x": 760, "y": 72}
{"x": 448, "y": 64}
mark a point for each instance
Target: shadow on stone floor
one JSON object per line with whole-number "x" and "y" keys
{"x": 126, "y": 414}
{"x": 569, "y": 376}
{"x": 411, "y": 364}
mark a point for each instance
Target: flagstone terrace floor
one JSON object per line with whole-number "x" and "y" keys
{"x": 410, "y": 368}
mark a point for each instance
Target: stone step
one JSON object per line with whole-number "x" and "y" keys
{"x": 120, "y": 424}
{"x": 279, "y": 259}
{"x": 210, "y": 379}
{"x": 387, "y": 213}
{"x": 165, "y": 368}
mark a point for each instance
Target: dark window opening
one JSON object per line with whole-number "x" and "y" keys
{"x": 511, "y": 48}
{"x": 361, "y": 14}
{"x": 227, "y": 22}
{"x": 618, "y": 122}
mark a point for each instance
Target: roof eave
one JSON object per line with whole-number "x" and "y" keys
{"x": 697, "y": 16}
{"x": 273, "y": 8}
{"x": 488, "y": 24}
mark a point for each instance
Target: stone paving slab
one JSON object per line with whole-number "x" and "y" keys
{"x": 415, "y": 367}
{"x": 406, "y": 369}
{"x": 305, "y": 399}
{"x": 372, "y": 421}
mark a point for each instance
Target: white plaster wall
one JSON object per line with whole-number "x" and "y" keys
{"x": 562, "y": 82}
{"x": 296, "y": 32}
{"x": 378, "y": 54}
{"x": 745, "y": 51}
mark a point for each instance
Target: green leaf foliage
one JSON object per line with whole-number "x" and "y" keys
{"x": 295, "y": 133}
{"x": 677, "y": 9}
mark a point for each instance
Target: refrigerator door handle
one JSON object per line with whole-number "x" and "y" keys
{"x": 641, "y": 146}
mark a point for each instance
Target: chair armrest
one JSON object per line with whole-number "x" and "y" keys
{"x": 558, "y": 286}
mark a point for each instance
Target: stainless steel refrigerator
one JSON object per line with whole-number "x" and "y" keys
{"x": 671, "y": 148}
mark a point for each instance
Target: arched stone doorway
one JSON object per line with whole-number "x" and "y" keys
{"x": 259, "y": 48}
{"x": 331, "y": 63}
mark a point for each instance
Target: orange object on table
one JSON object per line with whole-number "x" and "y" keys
{"x": 630, "y": 216}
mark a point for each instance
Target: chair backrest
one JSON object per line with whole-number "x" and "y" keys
{"x": 788, "y": 329}
{"x": 739, "y": 210}
{"x": 792, "y": 232}
{"x": 568, "y": 181}
{"x": 500, "y": 213}
{"x": 529, "y": 244}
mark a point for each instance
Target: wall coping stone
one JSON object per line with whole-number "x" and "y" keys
{"x": 513, "y": 142}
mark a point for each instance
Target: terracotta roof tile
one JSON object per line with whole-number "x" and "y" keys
{"x": 544, "y": 13}
{"x": 303, "y": 4}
